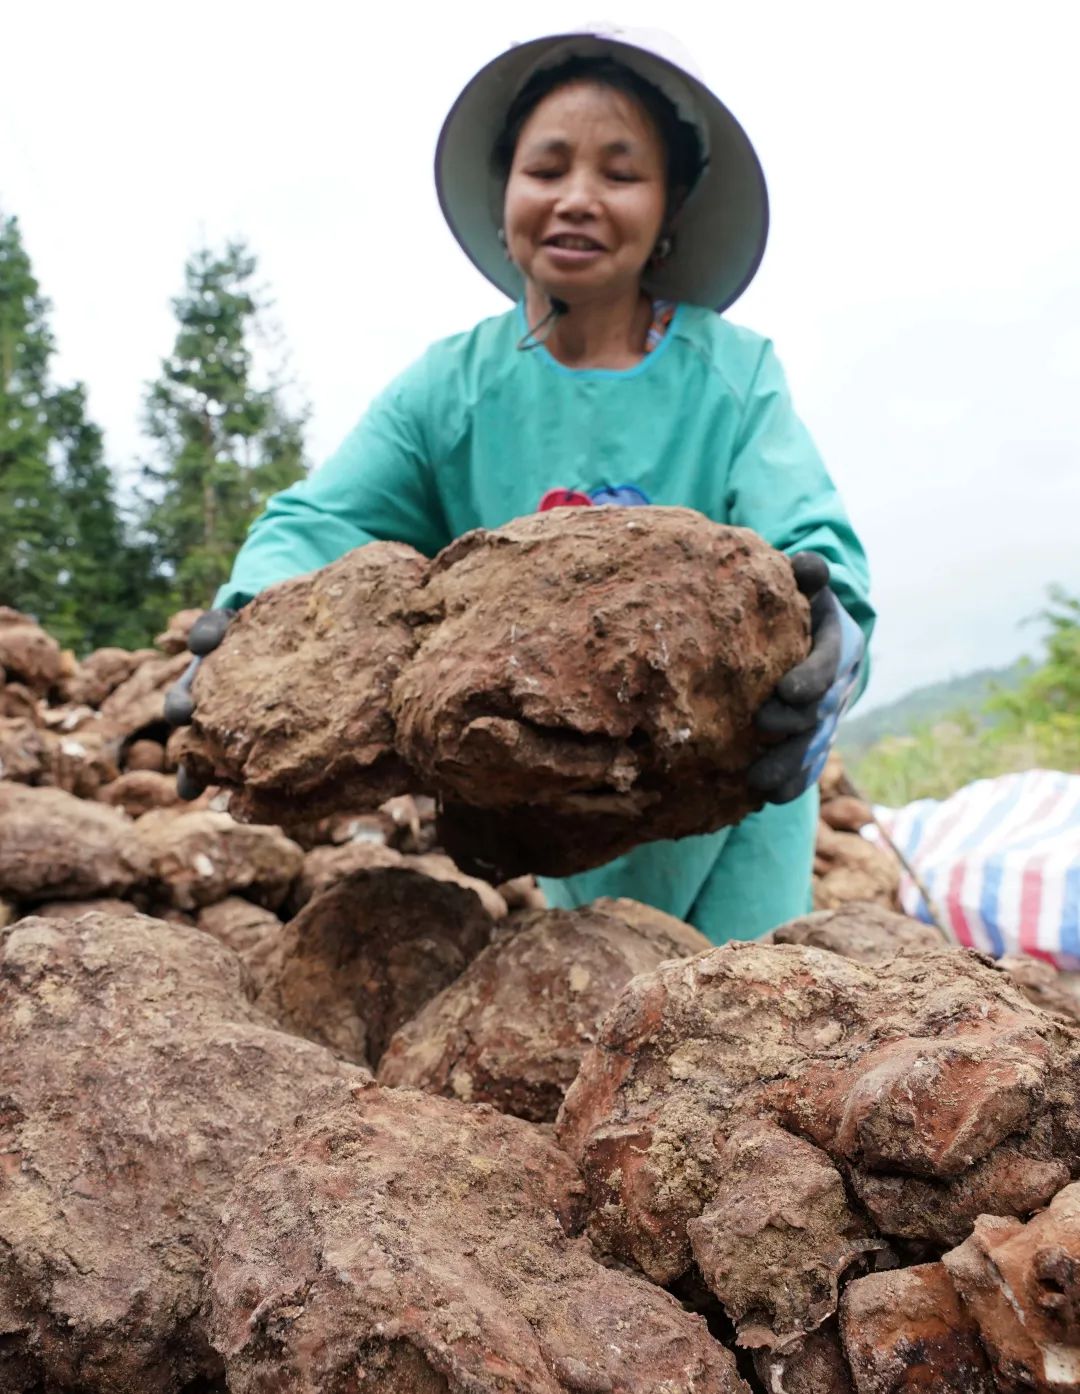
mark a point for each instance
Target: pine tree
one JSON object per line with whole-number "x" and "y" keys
{"x": 107, "y": 593}
{"x": 224, "y": 444}
{"x": 31, "y": 526}
{"x": 65, "y": 555}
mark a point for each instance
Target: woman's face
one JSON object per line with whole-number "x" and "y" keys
{"x": 586, "y": 197}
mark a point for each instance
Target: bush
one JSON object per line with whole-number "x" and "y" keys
{"x": 1035, "y": 726}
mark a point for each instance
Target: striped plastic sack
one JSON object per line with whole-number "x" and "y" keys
{"x": 1000, "y": 862}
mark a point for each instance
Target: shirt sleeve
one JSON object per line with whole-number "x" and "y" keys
{"x": 378, "y": 486}
{"x": 779, "y": 487}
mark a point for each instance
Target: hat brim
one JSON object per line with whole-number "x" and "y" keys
{"x": 720, "y": 232}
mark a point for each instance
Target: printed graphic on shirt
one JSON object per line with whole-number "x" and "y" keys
{"x": 628, "y": 495}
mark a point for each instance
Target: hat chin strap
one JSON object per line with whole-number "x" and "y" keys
{"x": 537, "y": 335}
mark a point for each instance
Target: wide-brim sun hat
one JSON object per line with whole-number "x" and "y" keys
{"x": 721, "y": 229}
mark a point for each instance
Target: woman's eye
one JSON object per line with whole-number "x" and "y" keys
{"x": 544, "y": 173}
{"x": 623, "y": 176}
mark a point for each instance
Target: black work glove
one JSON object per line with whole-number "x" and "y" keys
{"x": 810, "y": 698}
{"x": 206, "y": 634}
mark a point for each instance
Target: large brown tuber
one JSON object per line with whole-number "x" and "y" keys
{"x": 815, "y": 1364}
{"x": 570, "y": 685}
{"x": 414, "y": 1245}
{"x": 25, "y": 750}
{"x": 512, "y": 1029}
{"x": 140, "y": 791}
{"x": 906, "y": 1332}
{"x": 102, "y": 672}
{"x": 777, "y": 1235}
{"x": 17, "y": 702}
{"x": 251, "y": 931}
{"x": 135, "y": 1079}
{"x": 1053, "y": 989}
{"x": 364, "y": 956}
{"x": 27, "y": 654}
{"x": 1021, "y": 1284}
{"x": 862, "y": 930}
{"x": 75, "y": 909}
{"x": 849, "y": 868}
{"x": 293, "y": 707}
{"x": 55, "y": 846}
{"x": 870, "y": 933}
{"x": 925, "y": 1073}
{"x": 325, "y": 866}
{"x": 586, "y": 680}
{"x": 138, "y": 705}
{"x": 198, "y": 858}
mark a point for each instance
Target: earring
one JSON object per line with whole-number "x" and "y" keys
{"x": 502, "y": 240}
{"x": 662, "y": 250}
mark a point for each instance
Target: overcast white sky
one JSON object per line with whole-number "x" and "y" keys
{"x": 922, "y": 282}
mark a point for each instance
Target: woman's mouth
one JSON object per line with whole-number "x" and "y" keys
{"x": 573, "y": 242}
{"x": 572, "y": 249}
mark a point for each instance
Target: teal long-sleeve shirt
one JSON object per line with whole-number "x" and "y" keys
{"x": 477, "y": 431}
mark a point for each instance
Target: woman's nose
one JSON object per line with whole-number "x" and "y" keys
{"x": 578, "y": 195}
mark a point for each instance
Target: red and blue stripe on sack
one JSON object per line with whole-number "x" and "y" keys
{"x": 1001, "y": 862}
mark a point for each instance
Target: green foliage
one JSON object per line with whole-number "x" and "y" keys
{"x": 106, "y": 592}
{"x": 65, "y": 555}
{"x": 68, "y": 555}
{"x": 934, "y": 761}
{"x": 1045, "y": 711}
{"x": 1036, "y": 725}
{"x": 30, "y": 523}
{"x": 224, "y": 445}
{"x": 926, "y": 706}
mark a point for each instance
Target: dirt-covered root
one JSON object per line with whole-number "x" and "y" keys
{"x": 777, "y": 1236}
{"x": 141, "y": 791}
{"x": 1018, "y": 1177}
{"x": 293, "y": 707}
{"x": 569, "y": 685}
{"x": 365, "y": 955}
{"x": 101, "y": 673}
{"x": 27, "y": 654}
{"x": 32, "y": 752}
{"x": 920, "y": 1074}
{"x": 815, "y": 1364}
{"x": 325, "y": 866}
{"x": 75, "y": 909}
{"x": 137, "y": 706}
{"x": 595, "y": 672}
{"x": 56, "y": 846}
{"x": 251, "y": 931}
{"x": 1021, "y": 1284}
{"x": 145, "y": 756}
{"x": 848, "y": 868}
{"x": 419, "y": 1244}
{"x": 174, "y": 637}
{"x": 906, "y": 1330}
{"x": 870, "y": 933}
{"x": 135, "y": 1079}
{"x": 1053, "y": 989}
{"x": 196, "y": 859}
{"x": 862, "y": 930}
{"x": 511, "y": 1030}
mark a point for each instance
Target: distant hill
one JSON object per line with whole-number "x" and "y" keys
{"x": 926, "y": 705}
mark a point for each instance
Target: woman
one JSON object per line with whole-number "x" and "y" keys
{"x": 600, "y": 184}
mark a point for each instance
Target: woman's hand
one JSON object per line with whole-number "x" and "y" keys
{"x": 809, "y": 699}
{"x": 206, "y": 634}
